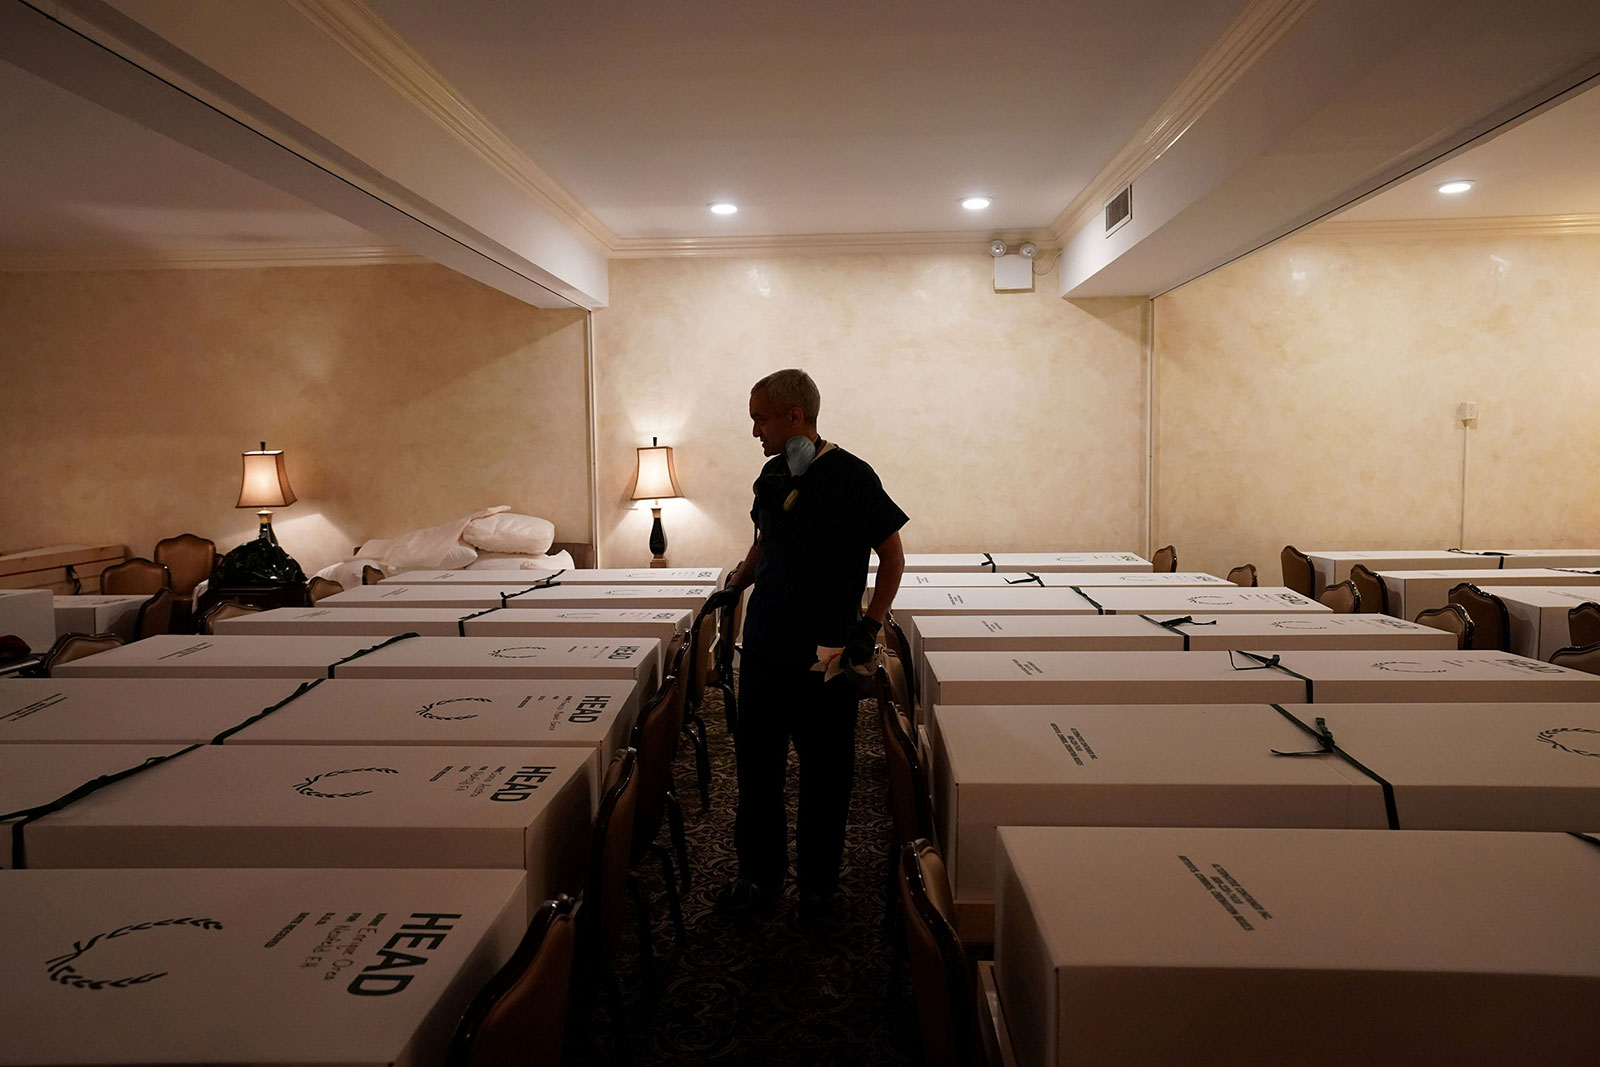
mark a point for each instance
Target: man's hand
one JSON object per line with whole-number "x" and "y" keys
{"x": 862, "y": 643}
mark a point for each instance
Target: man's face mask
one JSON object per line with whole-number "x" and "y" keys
{"x": 799, "y": 451}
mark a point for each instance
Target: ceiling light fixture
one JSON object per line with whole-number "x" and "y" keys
{"x": 1455, "y": 188}
{"x": 975, "y": 203}
{"x": 722, "y": 207}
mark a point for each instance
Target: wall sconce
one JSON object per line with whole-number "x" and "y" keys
{"x": 656, "y": 479}
{"x": 264, "y": 484}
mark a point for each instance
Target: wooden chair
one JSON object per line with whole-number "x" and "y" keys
{"x": 1584, "y": 658}
{"x": 1343, "y": 598}
{"x": 69, "y": 647}
{"x": 188, "y": 559}
{"x": 317, "y": 588}
{"x": 135, "y": 577}
{"x": 899, "y": 684}
{"x": 896, "y": 641}
{"x": 910, "y": 803}
{"x": 1491, "y": 623}
{"x": 1245, "y": 575}
{"x": 370, "y": 575}
{"x": 1374, "y": 595}
{"x": 222, "y": 611}
{"x": 1165, "y": 560}
{"x": 729, "y": 620}
{"x": 1452, "y": 618}
{"x": 1583, "y": 624}
{"x": 520, "y": 1015}
{"x": 1298, "y": 572}
{"x": 655, "y": 738}
{"x": 600, "y": 925}
{"x": 941, "y": 980}
{"x": 155, "y": 616}
{"x": 696, "y": 674}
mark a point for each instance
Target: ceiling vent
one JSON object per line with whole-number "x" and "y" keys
{"x": 1119, "y": 210}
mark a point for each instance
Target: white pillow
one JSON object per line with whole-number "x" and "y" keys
{"x": 435, "y": 548}
{"x": 524, "y": 535}
{"x": 511, "y": 561}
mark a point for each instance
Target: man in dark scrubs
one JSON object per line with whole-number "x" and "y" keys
{"x": 819, "y": 511}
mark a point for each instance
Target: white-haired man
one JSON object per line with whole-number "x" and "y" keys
{"x": 818, "y": 512}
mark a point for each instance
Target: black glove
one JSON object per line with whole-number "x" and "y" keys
{"x": 861, "y": 644}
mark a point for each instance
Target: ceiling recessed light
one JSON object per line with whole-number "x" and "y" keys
{"x": 722, "y": 207}
{"x": 975, "y": 203}
{"x": 1455, "y": 188}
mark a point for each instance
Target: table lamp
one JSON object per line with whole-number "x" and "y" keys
{"x": 264, "y": 485}
{"x": 656, "y": 479}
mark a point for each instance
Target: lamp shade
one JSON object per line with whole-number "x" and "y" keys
{"x": 266, "y": 482}
{"x": 655, "y": 478}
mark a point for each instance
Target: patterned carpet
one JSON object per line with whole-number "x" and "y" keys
{"x": 762, "y": 990}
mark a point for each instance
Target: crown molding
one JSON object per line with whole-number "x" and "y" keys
{"x": 825, "y": 243}
{"x": 1506, "y": 225}
{"x": 1256, "y": 29}
{"x": 207, "y": 258}
{"x": 360, "y": 31}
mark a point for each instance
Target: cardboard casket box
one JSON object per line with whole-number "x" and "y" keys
{"x": 32, "y": 776}
{"x": 1106, "y": 678}
{"x": 29, "y": 614}
{"x": 477, "y": 597}
{"x": 261, "y": 967}
{"x": 1538, "y": 616}
{"x": 1359, "y": 677}
{"x": 173, "y": 711}
{"x": 1266, "y": 600}
{"x": 1316, "y": 947}
{"x": 336, "y": 806}
{"x": 590, "y": 576}
{"x": 659, "y": 623}
{"x": 1331, "y": 568}
{"x": 1169, "y": 765}
{"x": 1324, "y": 630}
{"x": 173, "y": 656}
{"x": 1039, "y": 562}
{"x": 1083, "y": 580}
{"x": 98, "y": 614}
{"x": 1413, "y": 591}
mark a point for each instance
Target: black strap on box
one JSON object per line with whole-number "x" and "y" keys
{"x": 305, "y": 687}
{"x": 1173, "y": 624}
{"x": 72, "y": 576}
{"x": 1586, "y": 838}
{"x": 24, "y": 816}
{"x": 547, "y": 582}
{"x": 367, "y": 651}
{"x": 1576, "y": 570}
{"x": 1275, "y": 662}
{"x": 1079, "y": 590}
{"x": 1327, "y": 746}
{"x": 1031, "y": 579}
{"x": 988, "y": 561}
{"x": 461, "y": 623}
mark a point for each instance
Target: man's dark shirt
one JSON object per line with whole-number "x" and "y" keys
{"x": 813, "y": 567}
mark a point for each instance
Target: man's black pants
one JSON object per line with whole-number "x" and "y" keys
{"x": 779, "y": 703}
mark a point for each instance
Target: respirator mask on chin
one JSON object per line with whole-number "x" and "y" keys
{"x": 798, "y": 452}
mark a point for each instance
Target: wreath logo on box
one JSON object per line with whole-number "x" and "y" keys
{"x": 308, "y": 788}
{"x": 63, "y": 969}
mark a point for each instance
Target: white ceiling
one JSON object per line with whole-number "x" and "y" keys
{"x": 1548, "y": 165}
{"x": 76, "y": 177}
{"x": 815, "y": 118}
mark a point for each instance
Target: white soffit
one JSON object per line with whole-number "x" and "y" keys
{"x": 1546, "y": 166}
{"x": 81, "y": 186}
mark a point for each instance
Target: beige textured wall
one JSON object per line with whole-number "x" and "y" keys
{"x": 996, "y": 421}
{"x": 404, "y": 396}
{"x": 1307, "y": 395}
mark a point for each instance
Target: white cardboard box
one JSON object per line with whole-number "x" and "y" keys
{"x": 659, "y": 623}
{"x": 477, "y": 597}
{"x": 913, "y": 604}
{"x": 1414, "y": 591}
{"x": 170, "y": 711}
{"x": 31, "y": 775}
{"x": 1426, "y": 675}
{"x": 1065, "y": 580}
{"x": 337, "y": 806}
{"x": 591, "y": 576}
{"x": 1231, "y": 600}
{"x": 1331, "y": 568}
{"x": 1123, "y": 946}
{"x": 1106, "y": 678}
{"x": 1167, "y": 765}
{"x": 1039, "y": 562}
{"x": 177, "y": 656}
{"x": 29, "y": 614}
{"x": 1550, "y": 557}
{"x": 1324, "y": 630}
{"x": 1538, "y": 616}
{"x": 262, "y": 967}
{"x": 98, "y": 614}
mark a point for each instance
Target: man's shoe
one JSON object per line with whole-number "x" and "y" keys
{"x": 743, "y": 895}
{"x": 816, "y": 909}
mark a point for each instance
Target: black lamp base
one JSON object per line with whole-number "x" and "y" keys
{"x": 658, "y": 540}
